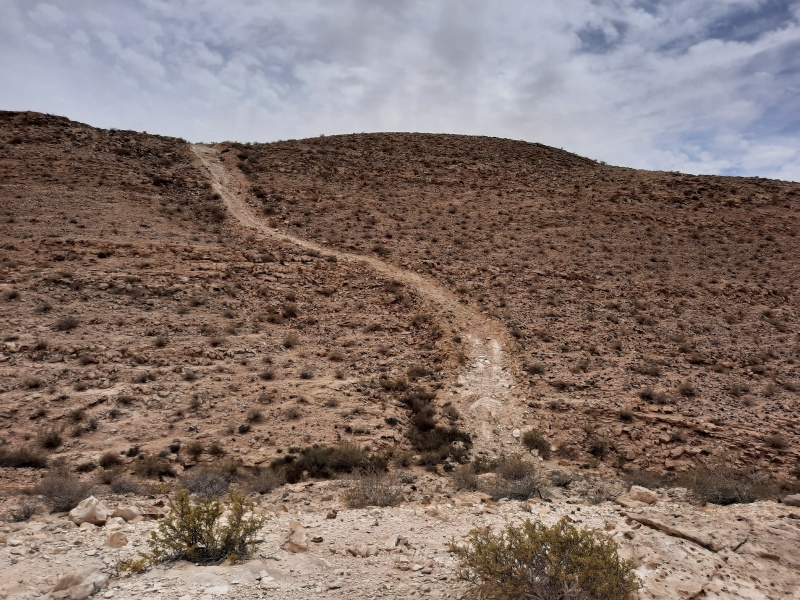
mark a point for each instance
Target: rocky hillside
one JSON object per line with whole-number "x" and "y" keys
{"x": 496, "y": 330}
{"x": 655, "y": 315}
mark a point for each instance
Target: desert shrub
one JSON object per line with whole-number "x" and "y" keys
{"x": 517, "y": 479}
{"x": 626, "y": 415}
{"x": 216, "y": 449}
{"x": 722, "y": 485}
{"x": 534, "y": 440}
{"x": 534, "y": 561}
{"x": 777, "y": 442}
{"x": 128, "y": 485}
{"x": 206, "y": 482}
{"x": 328, "y": 461}
{"x": 263, "y": 481}
{"x": 465, "y": 477}
{"x": 62, "y": 490}
{"x": 438, "y": 437}
{"x": 599, "y": 447}
{"x": 23, "y": 457}
{"x": 687, "y": 390}
{"x": 50, "y": 438}
{"x": 373, "y": 488}
{"x": 194, "y": 531}
{"x": 66, "y": 324}
{"x": 153, "y": 466}
{"x": 195, "y": 448}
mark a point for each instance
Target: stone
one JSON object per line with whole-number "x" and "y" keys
{"x": 792, "y": 500}
{"x": 642, "y": 494}
{"x": 129, "y": 513}
{"x": 115, "y": 524}
{"x": 90, "y": 510}
{"x": 78, "y": 586}
{"x": 116, "y": 540}
{"x": 297, "y": 540}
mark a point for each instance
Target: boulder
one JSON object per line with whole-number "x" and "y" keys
{"x": 78, "y": 586}
{"x": 642, "y": 494}
{"x": 297, "y": 540}
{"x": 116, "y": 540}
{"x": 129, "y": 513}
{"x": 91, "y": 510}
{"x": 792, "y": 500}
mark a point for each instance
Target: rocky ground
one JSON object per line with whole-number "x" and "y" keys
{"x": 315, "y": 547}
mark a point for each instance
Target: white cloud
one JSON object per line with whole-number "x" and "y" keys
{"x": 637, "y": 83}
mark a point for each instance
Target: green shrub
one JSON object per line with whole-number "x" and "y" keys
{"x": 192, "y": 530}
{"x": 534, "y": 561}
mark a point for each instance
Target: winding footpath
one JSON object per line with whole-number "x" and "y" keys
{"x": 486, "y": 391}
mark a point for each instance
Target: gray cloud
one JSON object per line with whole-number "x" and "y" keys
{"x": 694, "y": 85}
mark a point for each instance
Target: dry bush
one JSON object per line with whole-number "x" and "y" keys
{"x": 534, "y": 440}
{"x": 206, "y": 482}
{"x": 465, "y": 477}
{"x": 153, "y": 466}
{"x": 195, "y": 448}
{"x": 110, "y": 459}
{"x": 719, "y": 484}
{"x": 23, "y": 457}
{"x": 62, "y": 490}
{"x": 517, "y": 479}
{"x": 50, "y": 439}
{"x": 263, "y": 481}
{"x": 547, "y": 563}
{"x": 66, "y": 324}
{"x": 372, "y": 488}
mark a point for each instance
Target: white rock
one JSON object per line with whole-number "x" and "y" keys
{"x": 91, "y": 510}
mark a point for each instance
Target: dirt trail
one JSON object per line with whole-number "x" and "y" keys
{"x": 485, "y": 393}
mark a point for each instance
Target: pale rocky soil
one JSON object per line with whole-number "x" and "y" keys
{"x": 522, "y": 285}
{"x": 736, "y": 552}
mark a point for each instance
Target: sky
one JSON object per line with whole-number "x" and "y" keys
{"x": 698, "y": 86}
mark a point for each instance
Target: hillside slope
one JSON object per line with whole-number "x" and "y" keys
{"x": 655, "y": 314}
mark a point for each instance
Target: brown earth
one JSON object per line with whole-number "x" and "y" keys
{"x": 383, "y": 290}
{"x": 653, "y": 313}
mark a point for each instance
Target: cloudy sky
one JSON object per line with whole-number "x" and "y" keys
{"x": 702, "y": 86}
